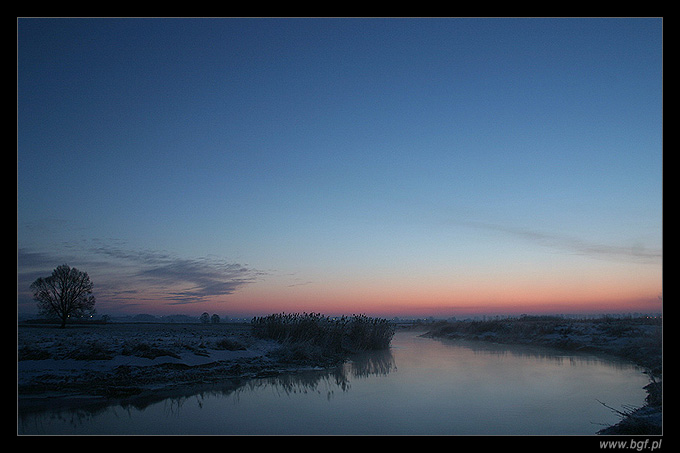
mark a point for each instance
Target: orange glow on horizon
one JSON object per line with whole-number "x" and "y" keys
{"x": 512, "y": 293}
{"x": 450, "y": 300}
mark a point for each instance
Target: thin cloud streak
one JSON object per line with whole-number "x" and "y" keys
{"x": 636, "y": 253}
{"x": 207, "y": 278}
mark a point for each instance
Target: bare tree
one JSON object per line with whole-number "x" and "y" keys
{"x": 65, "y": 293}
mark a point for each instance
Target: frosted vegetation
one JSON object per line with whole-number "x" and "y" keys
{"x": 313, "y": 335}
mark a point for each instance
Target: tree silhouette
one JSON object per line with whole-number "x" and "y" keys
{"x": 65, "y": 293}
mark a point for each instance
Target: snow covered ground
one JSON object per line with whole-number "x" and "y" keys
{"x": 125, "y": 359}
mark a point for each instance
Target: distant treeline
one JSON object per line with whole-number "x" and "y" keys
{"x": 54, "y": 321}
{"x": 105, "y": 319}
{"x": 337, "y": 335}
{"x": 526, "y": 326}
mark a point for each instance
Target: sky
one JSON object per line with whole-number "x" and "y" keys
{"x": 390, "y": 167}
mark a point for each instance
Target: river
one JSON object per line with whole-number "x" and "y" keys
{"x": 420, "y": 386}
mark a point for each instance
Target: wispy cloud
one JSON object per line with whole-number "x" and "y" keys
{"x": 293, "y": 285}
{"x": 632, "y": 252}
{"x": 131, "y": 276}
{"x": 197, "y": 278}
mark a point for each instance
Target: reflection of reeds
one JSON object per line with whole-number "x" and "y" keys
{"x": 370, "y": 363}
{"x": 320, "y": 382}
{"x": 378, "y": 363}
{"x": 333, "y": 335}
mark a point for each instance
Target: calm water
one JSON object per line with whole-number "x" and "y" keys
{"x": 420, "y": 386}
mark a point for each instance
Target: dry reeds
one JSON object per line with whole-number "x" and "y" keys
{"x": 344, "y": 334}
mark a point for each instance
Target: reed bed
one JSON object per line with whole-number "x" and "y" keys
{"x": 338, "y": 335}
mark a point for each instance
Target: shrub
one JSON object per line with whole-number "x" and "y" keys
{"x": 145, "y": 350}
{"x": 229, "y": 345}
{"x": 92, "y": 350}
{"x": 32, "y": 353}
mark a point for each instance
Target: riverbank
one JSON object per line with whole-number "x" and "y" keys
{"x": 138, "y": 363}
{"x": 638, "y": 340}
{"x": 83, "y": 364}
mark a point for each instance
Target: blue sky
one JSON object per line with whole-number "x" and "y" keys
{"x": 342, "y": 165}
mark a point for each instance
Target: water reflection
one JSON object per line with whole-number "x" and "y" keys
{"x": 537, "y": 353}
{"x": 326, "y": 382}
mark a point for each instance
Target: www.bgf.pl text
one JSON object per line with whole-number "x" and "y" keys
{"x": 632, "y": 444}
